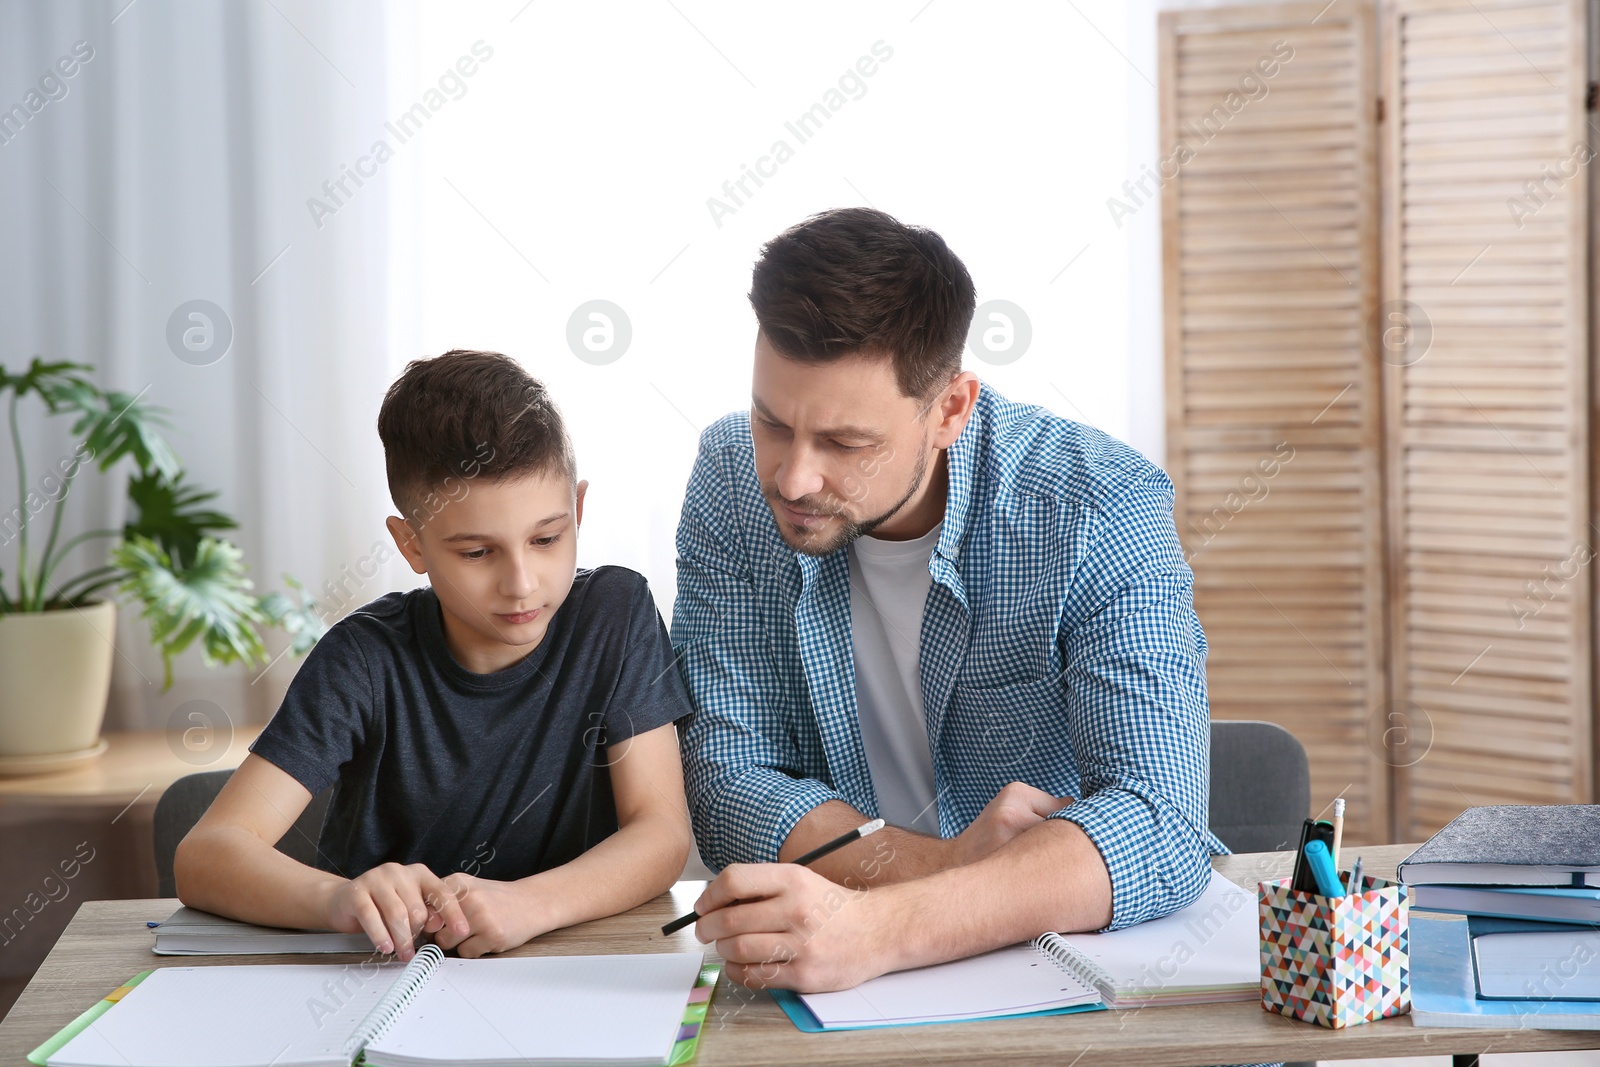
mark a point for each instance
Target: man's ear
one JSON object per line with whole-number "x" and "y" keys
{"x": 408, "y": 541}
{"x": 577, "y": 504}
{"x": 954, "y": 408}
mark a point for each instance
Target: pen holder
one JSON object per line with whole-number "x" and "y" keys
{"x": 1336, "y": 961}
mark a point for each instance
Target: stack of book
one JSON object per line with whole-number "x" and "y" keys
{"x": 1521, "y": 888}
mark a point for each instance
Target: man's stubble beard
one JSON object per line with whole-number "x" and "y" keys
{"x": 852, "y": 528}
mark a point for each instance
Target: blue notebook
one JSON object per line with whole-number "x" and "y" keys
{"x": 1444, "y": 992}
{"x": 1008, "y": 983}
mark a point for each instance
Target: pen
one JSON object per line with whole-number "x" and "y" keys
{"x": 1355, "y": 876}
{"x": 1338, "y": 829}
{"x": 810, "y": 857}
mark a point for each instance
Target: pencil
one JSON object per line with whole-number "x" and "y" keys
{"x": 805, "y": 861}
{"x": 1338, "y": 829}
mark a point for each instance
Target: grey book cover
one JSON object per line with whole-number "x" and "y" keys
{"x": 1532, "y": 835}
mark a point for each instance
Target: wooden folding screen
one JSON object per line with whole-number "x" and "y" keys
{"x": 1270, "y": 218}
{"x": 1430, "y": 638}
{"x": 1486, "y": 163}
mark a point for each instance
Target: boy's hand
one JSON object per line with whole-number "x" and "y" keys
{"x": 499, "y": 916}
{"x": 393, "y": 903}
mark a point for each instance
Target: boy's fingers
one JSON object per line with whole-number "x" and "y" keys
{"x": 443, "y": 900}
{"x": 371, "y": 921}
{"x": 397, "y": 919}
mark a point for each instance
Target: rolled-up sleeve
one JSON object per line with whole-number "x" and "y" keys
{"x": 1133, "y": 655}
{"x": 745, "y": 777}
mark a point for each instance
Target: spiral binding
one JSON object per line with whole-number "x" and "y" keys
{"x": 404, "y": 990}
{"x": 1072, "y": 961}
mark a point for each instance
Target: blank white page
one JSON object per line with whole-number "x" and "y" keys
{"x": 625, "y": 1008}
{"x": 233, "y": 1016}
{"x": 1213, "y": 944}
{"x": 1008, "y": 981}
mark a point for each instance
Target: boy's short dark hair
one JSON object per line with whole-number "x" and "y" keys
{"x": 858, "y": 280}
{"x": 467, "y": 415}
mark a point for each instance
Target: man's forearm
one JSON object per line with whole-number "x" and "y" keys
{"x": 891, "y": 855}
{"x": 1051, "y": 877}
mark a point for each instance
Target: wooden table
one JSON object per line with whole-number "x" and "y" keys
{"x": 107, "y": 943}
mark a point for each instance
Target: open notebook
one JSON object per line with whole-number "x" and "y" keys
{"x": 625, "y": 1009}
{"x": 1209, "y": 951}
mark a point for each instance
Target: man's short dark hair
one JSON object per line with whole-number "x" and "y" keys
{"x": 466, "y": 415}
{"x": 858, "y": 280}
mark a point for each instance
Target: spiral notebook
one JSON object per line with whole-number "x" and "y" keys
{"x": 1204, "y": 953}
{"x": 622, "y": 1009}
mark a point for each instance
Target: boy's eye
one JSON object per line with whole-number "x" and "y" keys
{"x": 476, "y": 553}
{"x": 546, "y": 542}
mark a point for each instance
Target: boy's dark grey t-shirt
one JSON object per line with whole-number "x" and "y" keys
{"x": 500, "y": 775}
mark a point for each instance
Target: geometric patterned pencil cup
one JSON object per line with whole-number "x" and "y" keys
{"x": 1336, "y": 961}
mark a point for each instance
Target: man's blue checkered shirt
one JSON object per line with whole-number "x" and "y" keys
{"x": 1059, "y": 648}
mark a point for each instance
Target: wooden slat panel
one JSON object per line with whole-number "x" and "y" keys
{"x": 1488, "y": 429}
{"x": 1270, "y": 272}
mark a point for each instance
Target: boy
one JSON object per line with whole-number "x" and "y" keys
{"x": 503, "y": 740}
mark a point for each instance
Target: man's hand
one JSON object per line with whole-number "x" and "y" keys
{"x": 499, "y": 916}
{"x": 783, "y": 926}
{"x": 1016, "y": 808}
{"x": 392, "y": 904}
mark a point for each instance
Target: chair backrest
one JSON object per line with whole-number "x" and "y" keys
{"x": 1260, "y": 786}
{"x": 181, "y": 806}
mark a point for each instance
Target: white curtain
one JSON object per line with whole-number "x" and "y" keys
{"x": 175, "y": 164}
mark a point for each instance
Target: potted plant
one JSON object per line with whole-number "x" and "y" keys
{"x": 56, "y": 633}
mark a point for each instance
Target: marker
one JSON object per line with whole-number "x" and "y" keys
{"x": 1303, "y": 881}
{"x": 1321, "y": 864}
{"x": 805, "y": 861}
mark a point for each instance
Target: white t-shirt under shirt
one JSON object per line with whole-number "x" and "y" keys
{"x": 889, "y": 583}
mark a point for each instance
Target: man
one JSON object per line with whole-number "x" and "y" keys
{"x": 900, "y": 594}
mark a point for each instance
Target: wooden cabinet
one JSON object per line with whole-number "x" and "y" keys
{"x": 1378, "y": 399}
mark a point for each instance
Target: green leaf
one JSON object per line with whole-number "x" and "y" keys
{"x": 208, "y": 600}
{"x": 59, "y": 385}
{"x": 297, "y": 616}
{"x": 170, "y": 514}
{"x": 121, "y": 424}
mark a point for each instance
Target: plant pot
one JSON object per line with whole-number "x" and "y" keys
{"x": 56, "y": 667}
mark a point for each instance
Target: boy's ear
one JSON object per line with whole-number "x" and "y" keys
{"x": 408, "y": 541}
{"x": 577, "y": 506}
